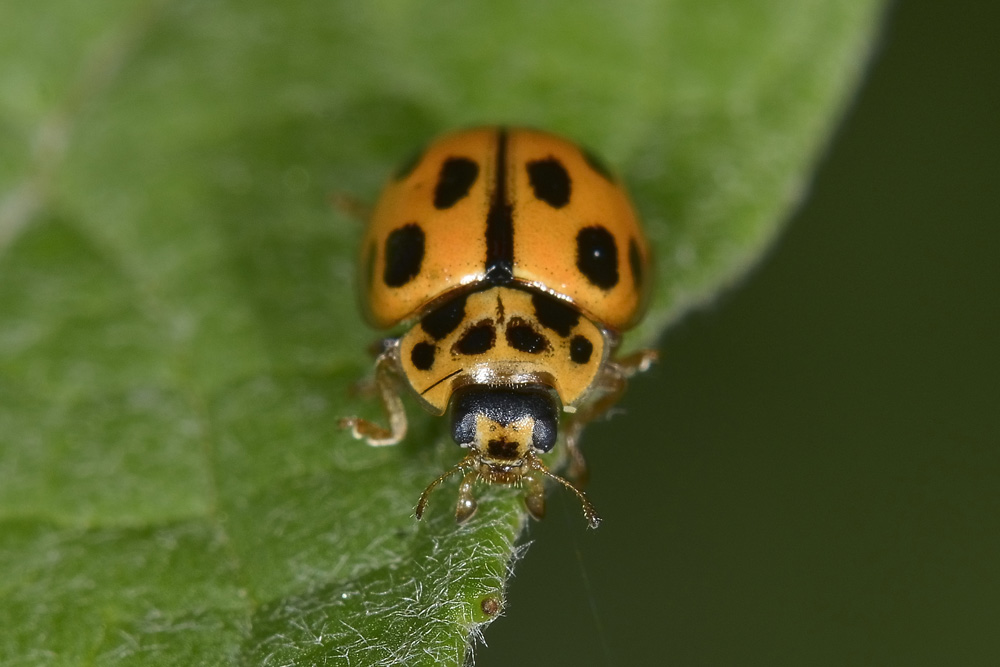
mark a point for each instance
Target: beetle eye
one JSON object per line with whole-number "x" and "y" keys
{"x": 543, "y": 437}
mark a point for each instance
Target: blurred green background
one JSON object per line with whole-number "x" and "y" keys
{"x": 811, "y": 474}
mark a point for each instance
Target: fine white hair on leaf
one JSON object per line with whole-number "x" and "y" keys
{"x": 426, "y": 607}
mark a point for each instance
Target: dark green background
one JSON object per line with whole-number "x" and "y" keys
{"x": 811, "y": 474}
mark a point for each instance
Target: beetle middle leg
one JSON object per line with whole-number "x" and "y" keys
{"x": 608, "y": 387}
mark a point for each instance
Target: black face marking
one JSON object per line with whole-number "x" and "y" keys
{"x": 505, "y": 406}
{"x": 555, "y": 314}
{"x": 550, "y": 181}
{"x": 501, "y": 449}
{"x": 597, "y": 256}
{"x": 635, "y": 261}
{"x": 422, "y": 355}
{"x": 441, "y": 322}
{"x": 500, "y": 223}
{"x": 500, "y": 310}
{"x": 404, "y": 253}
{"x": 598, "y": 165}
{"x": 456, "y": 178}
{"x": 580, "y": 350}
{"x": 522, "y": 336}
{"x": 407, "y": 166}
{"x": 477, "y": 339}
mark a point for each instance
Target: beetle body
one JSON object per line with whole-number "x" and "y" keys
{"x": 515, "y": 260}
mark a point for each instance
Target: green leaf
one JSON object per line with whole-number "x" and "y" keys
{"x": 177, "y": 332}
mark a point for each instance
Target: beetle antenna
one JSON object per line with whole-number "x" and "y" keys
{"x": 593, "y": 518}
{"x": 422, "y": 503}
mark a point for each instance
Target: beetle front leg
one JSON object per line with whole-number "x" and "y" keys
{"x": 534, "y": 496}
{"x": 387, "y": 386}
{"x": 467, "y": 504}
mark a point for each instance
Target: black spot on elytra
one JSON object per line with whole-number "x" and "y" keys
{"x": 502, "y": 449}
{"x": 635, "y": 261}
{"x": 456, "y": 178}
{"x": 598, "y": 165}
{"x": 407, "y": 166}
{"x": 404, "y": 253}
{"x": 550, "y": 181}
{"x": 522, "y": 336}
{"x": 580, "y": 350}
{"x": 597, "y": 256}
{"x": 422, "y": 355}
{"x": 477, "y": 339}
{"x": 554, "y": 314}
{"x": 442, "y": 321}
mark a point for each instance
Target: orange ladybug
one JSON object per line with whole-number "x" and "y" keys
{"x": 516, "y": 259}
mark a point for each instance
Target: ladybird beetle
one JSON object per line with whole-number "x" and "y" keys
{"x": 516, "y": 260}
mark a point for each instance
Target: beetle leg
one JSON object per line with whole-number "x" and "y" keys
{"x": 466, "y": 502}
{"x": 387, "y": 385}
{"x": 351, "y": 207}
{"x": 637, "y": 362}
{"x": 422, "y": 503}
{"x": 608, "y": 387}
{"x": 534, "y": 496}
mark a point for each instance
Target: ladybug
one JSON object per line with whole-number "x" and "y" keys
{"x": 515, "y": 259}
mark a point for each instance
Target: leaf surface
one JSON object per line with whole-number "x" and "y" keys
{"x": 178, "y": 330}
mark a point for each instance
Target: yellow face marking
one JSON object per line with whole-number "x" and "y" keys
{"x": 504, "y": 443}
